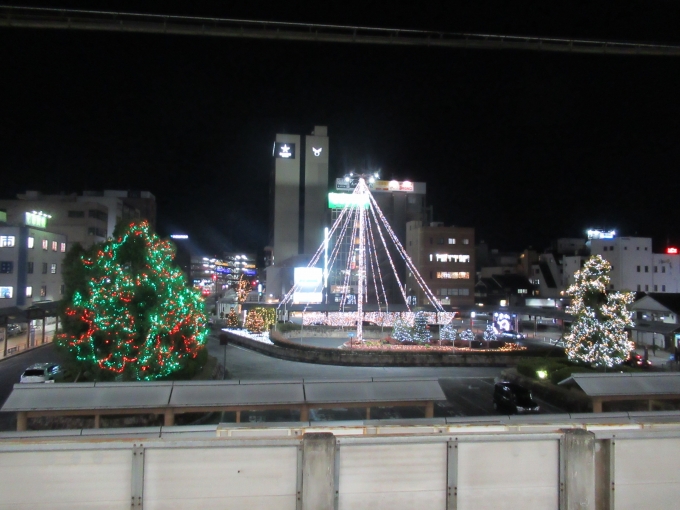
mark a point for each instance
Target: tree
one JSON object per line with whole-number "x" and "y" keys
{"x": 268, "y": 316}
{"x": 467, "y": 336}
{"x": 597, "y": 335}
{"x": 490, "y": 334}
{"x": 421, "y": 333}
{"x": 448, "y": 332}
{"x": 233, "y": 320}
{"x": 254, "y": 321}
{"x": 135, "y": 317}
{"x": 401, "y": 331}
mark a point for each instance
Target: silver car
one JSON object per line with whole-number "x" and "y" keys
{"x": 42, "y": 373}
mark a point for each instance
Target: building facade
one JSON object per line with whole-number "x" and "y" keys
{"x": 445, "y": 258}
{"x": 30, "y": 265}
{"x": 298, "y": 192}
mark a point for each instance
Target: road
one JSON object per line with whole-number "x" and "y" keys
{"x": 10, "y": 372}
{"x": 468, "y": 390}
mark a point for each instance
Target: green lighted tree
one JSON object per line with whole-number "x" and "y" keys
{"x": 135, "y": 317}
{"x": 597, "y": 335}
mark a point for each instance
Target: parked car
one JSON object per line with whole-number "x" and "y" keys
{"x": 636, "y": 360}
{"x": 514, "y": 398}
{"x": 511, "y": 335}
{"x": 42, "y": 373}
{"x": 13, "y": 329}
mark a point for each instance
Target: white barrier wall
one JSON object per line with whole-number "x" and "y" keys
{"x": 395, "y": 468}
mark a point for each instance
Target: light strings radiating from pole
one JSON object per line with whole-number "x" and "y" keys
{"x": 360, "y": 218}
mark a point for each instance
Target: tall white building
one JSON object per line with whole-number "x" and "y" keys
{"x": 298, "y": 194}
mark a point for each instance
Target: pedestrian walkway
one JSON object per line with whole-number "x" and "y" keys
{"x": 24, "y": 341}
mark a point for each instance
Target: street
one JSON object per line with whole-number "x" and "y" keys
{"x": 468, "y": 390}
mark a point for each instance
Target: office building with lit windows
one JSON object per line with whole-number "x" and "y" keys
{"x": 30, "y": 263}
{"x": 445, "y": 258}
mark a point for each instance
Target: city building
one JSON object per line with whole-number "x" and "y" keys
{"x": 657, "y": 320}
{"x": 445, "y": 258}
{"x": 31, "y": 259}
{"x": 400, "y": 203}
{"x": 87, "y": 218}
{"x": 298, "y": 188}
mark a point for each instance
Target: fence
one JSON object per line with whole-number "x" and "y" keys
{"x": 618, "y": 463}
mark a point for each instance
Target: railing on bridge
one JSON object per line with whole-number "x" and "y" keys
{"x": 612, "y": 461}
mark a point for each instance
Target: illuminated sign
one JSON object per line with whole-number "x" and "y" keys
{"x": 317, "y": 152}
{"x": 6, "y": 292}
{"x": 444, "y": 257}
{"x": 601, "y": 234}
{"x": 503, "y": 321}
{"x": 36, "y": 219}
{"x": 308, "y": 285}
{"x": 250, "y": 272}
{"x": 284, "y": 150}
{"x": 672, "y": 251}
{"x": 179, "y": 236}
{"x": 376, "y": 185}
{"x": 341, "y": 200}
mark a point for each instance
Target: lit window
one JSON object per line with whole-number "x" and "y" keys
{"x": 53, "y": 268}
{"x": 453, "y": 275}
{"x": 63, "y": 247}
{"x": 466, "y": 241}
{"x": 43, "y": 291}
{"x": 44, "y": 244}
{"x": 29, "y": 291}
{"x": 452, "y": 240}
{"x": 31, "y": 242}
{"x": 6, "y": 292}
{"x": 7, "y": 241}
{"x": 54, "y": 245}
{"x": 445, "y": 257}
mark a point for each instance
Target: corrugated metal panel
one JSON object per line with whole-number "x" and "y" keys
{"x": 219, "y": 478}
{"x": 58, "y": 396}
{"x": 393, "y": 477}
{"x": 79, "y": 479}
{"x": 646, "y": 474}
{"x": 499, "y": 475}
{"x": 595, "y": 385}
{"x": 350, "y": 391}
{"x": 228, "y": 395}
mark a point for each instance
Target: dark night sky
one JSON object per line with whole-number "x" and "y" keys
{"x": 523, "y": 146}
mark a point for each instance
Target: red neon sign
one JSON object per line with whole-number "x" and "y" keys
{"x": 672, "y": 251}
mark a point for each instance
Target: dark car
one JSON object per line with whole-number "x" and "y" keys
{"x": 636, "y": 360}
{"x": 511, "y": 335}
{"x": 513, "y": 398}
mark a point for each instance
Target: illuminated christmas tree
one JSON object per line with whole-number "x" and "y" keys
{"x": 401, "y": 331}
{"x": 490, "y": 334}
{"x": 448, "y": 332}
{"x": 421, "y": 333}
{"x": 136, "y": 316}
{"x": 233, "y": 319}
{"x": 254, "y": 321}
{"x": 597, "y": 335}
{"x": 467, "y": 336}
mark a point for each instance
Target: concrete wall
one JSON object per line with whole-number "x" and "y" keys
{"x": 283, "y": 349}
{"x": 558, "y": 462}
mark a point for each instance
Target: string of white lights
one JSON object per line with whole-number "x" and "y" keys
{"x": 389, "y": 257}
{"x": 377, "y": 265}
{"x": 421, "y": 281}
{"x": 347, "y": 280}
{"x": 372, "y": 265}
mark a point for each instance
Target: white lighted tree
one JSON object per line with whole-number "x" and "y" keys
{"x": 448, "y": 332}
{"x": 490, "y": 334}
{"x": 597, "y": 335}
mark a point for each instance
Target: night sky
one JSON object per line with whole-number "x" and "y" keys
{"x": 523, "y": 146}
